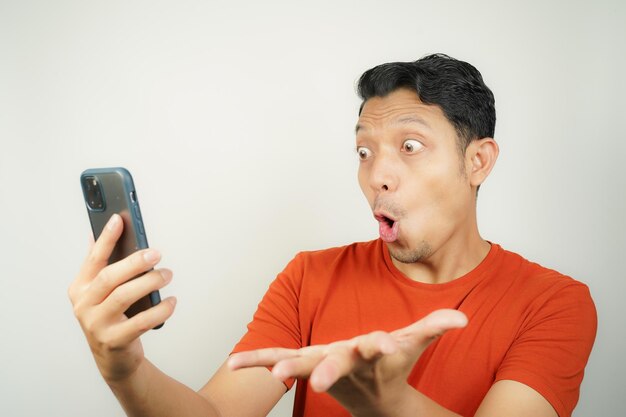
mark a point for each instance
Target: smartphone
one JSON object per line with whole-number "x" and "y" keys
{"x": 111, "y": 190}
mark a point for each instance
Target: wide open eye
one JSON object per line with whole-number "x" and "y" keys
{"x": 412, "y": 146}
{"x": 363, "y": 153}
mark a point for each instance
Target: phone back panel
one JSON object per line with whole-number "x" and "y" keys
{"x": 118, "y": 190}
{"x": 119, "y": 196}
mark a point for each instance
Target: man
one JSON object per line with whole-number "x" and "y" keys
{"x": 428, "y": 320}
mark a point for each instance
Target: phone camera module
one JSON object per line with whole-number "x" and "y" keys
{"x": 93, "y": 192}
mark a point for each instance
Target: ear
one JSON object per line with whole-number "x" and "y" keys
{"x": 480, "y": 157}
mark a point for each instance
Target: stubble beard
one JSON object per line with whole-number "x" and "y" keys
{"x": 411, "y": 256}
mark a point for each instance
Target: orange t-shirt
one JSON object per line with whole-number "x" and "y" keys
{"x": 526, "y": 323}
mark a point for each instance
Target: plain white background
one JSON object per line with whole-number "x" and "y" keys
{"x": 237, "y": 120}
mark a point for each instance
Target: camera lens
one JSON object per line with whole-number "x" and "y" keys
{"x": 93, "y": 193}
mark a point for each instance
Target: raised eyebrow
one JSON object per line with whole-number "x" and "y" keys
{"x": 411, "y": 120}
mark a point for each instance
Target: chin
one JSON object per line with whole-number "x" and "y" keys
{"x": 410, "y": 255}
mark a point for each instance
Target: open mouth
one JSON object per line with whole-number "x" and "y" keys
{"x": 387, "y": 227}
{"x": 382, "y": 218}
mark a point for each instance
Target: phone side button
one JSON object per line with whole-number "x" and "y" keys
{"x": 137, "y": 212}
{"x": 140, "y": 227}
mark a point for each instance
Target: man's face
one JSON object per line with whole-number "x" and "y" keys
{"x": 413, "y": 175}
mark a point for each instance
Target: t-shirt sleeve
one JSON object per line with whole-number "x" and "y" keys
{"x": 276, "y": 321}
{"x": 553, "y": 347}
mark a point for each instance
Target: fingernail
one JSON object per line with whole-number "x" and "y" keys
{"x": 233, "y": 363}
{"x": 166, "y": 275}
{"x": 277, "y": 372}
{"x": 152, "y": 256}
{"x": 113, "y": 221}
{"x": 280, "y": 373}
{"x": 388, "y": 347}
{"x": 317, "y": 384}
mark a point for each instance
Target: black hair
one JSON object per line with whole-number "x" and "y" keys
{"x": 455, "y": 86}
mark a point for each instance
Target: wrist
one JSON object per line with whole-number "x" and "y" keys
{"x": 134, "y": 385}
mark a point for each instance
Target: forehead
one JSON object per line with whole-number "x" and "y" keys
{"x": 400, "y": 107}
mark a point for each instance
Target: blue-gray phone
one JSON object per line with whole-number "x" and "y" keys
{"x": 108, "y": 191}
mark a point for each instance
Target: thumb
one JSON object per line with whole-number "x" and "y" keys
{"x": 424, "y": 331}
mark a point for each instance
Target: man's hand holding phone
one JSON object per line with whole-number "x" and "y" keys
{"x": 101, "y": 293}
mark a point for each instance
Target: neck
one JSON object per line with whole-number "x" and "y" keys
{"x": 456, "y": 257}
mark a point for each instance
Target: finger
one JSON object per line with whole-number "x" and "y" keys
{"x": 127, "y": 331}
{"x": 98, "y": 256}
{"x": 430, "y": 327}
{"x": 260, "y": 357}
{"x": 302, "y": 364}
{"x": 376, "y": 344}
{"x": 122, "y": 297}
{"x": 118, "y": 273}
{"x": 338, "y": 363}
{"x": 300, "y": 367}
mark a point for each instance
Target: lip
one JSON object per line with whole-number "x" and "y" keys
{"x": 384, "y": 216}
{"x": 387, "y": 226}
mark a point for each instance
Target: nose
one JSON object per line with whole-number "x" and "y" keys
{"x": 384, "y": 174}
